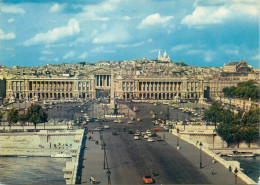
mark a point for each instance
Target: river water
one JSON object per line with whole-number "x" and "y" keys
{"x": 32, "y": 170}
{"x": 251, "y": 165}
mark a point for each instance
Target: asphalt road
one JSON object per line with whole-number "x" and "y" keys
{"x": 129, "y": 160}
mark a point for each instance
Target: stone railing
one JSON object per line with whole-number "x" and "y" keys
{"x": 233, "y": 164}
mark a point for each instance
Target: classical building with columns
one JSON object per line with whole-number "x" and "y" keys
{"x": 136, "y": 79}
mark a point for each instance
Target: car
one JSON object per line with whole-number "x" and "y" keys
{"x": 148, "y": 179}
{"x": 136, "y": 138}
{"x": 115, "y": 133}
{"x": 156, "y": 129}
{"x": 146, "y": 136}
{"x": 106, "y": 126}
{"x": 98, "y": 129}
{"x": 150, "y": 140}
{"x": 130, "y": 121}
{"x": 159, "y": 139}
{"x": 130, "y": 132}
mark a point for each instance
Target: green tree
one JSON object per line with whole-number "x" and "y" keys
{"x": 12, "y": 116}
{"x": 36, "y": 114}
{"x": 1, "y": 117}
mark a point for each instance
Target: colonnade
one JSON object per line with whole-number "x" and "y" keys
{"x": 103, "y": 80}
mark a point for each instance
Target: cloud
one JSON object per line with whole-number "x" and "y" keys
{"x": 70, "y": 54}
{"x": 101, "y": 49}
{"x": 155, "y": 19}
{"x": 55, "y": 34}
{"x": 10, "y": 20}
{"x": 150, "y": 40}
{"x": 131, "y": 45}
{"x": 216, "y": 12}
{"x": 56, "y": 8}
{"x": 56, "y": 59}
{"x": 231, "y": 51}
{"x": 11, "y": 9}
{"x": 83, "y": 55}
{"x": 47, "y": 52}
{"x": 207, "y": 54}
{"x": 6, "y": 36}
{"x": 91, "y": 12}
{"x": 181, "y": 47}
{"x": 117, "y": 34}
{"x": 256, "y": 57}
{"x": 154, "y": 51}
{"x": 206, "y": 15}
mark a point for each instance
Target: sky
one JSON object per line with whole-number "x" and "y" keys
{"x": 198, "y": 32}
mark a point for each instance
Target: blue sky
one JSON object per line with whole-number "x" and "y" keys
{"x": 198, "y": 32}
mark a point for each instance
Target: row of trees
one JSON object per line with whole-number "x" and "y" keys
{"x": 245, "y": 90}
{"x": 234, "y": 128}
{"x": 35, "y": 114}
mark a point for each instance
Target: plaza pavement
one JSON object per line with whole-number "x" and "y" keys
{"x": 93, "y": 161}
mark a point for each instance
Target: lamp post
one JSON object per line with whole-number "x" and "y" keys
{"x": 200, "y": 155}
{"x": 235, "y": 171}
{"x": 104, "y": 147}
{"x": 178, "y": 145}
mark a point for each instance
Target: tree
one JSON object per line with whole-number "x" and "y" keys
{"x": 1, "y": 117}
{"x": 12, "y": 117}
{"x": 36, "y": 114}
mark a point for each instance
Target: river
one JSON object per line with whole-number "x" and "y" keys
{"x": 32, "y": 170}
{"x": 250, "y": 165}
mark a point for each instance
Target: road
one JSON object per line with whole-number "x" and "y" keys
{"x": 130, "y": 159}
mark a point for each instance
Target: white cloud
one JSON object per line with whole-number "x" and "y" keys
{"x": 10, "y": 20}
{"x": 127, "y": 18}
{"x": 11, "y": 9}
{"x": 83, "y": 55}
{"x": 116, "y": 34}
{"x": 70, "y": 54}
{"x": 91, "y": 12}
{"x": 206, "y": 15}
{"x": 231, "y": 51}
{"x": 207, "y": 54}
{"x": 216, "y": 12}
{"x": 46, "y": 52}
{"x": 49, "y": 59}
{"x": 101, "y": 49}
{"x": 256, "y": 57}
{"x": 154, "y": 51}
{"x": 55, "y": 34}
{"x": 131, "y": 45}
{"x": 181, "y": 47}
{"x": 150, "y": 40}
{"x": 155, "y": 19}
{"x": 6, "y": 36}
{"x": 56, "y": 8}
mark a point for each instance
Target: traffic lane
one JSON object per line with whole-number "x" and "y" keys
{"x": 131, "y": 159}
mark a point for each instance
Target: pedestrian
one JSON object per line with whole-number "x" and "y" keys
{"x": 92, "y": 131}
{"x": 212, "y": 171}
{"x": 229, "y": 168}
{"x": 213, "y": 160}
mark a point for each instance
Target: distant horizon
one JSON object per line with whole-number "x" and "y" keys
{"x": 204, "y": 33}
{"x": 122, "y": 61}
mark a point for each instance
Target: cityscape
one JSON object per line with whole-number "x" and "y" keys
{"x": 107, "y": 92}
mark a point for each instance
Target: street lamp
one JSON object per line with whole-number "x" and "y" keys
{"x": 200, "y": 155}
{"x": 104, "y": 147}
{"x": 178, "y": 145}
{"x": 235, "y": 171}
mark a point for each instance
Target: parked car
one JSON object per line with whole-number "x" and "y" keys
{"x": 150, "y": 140}
{"x": 106, "y": 126}
{"x": 136, "y": 138}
